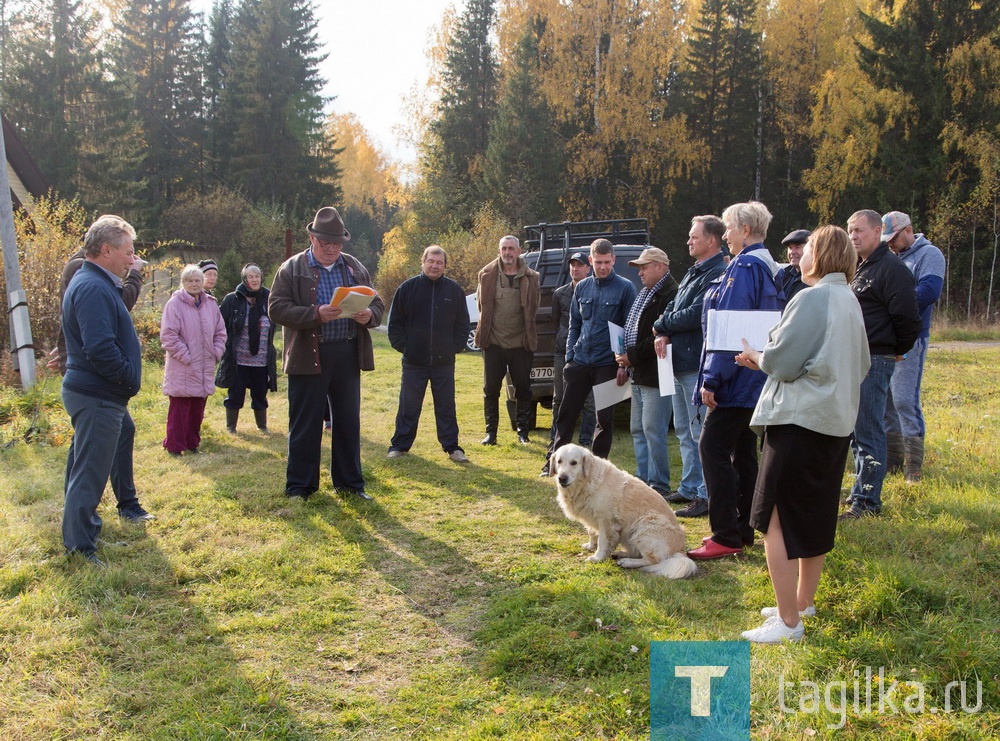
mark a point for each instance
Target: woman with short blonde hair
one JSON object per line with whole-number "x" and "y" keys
{"x": 815, "y": 360}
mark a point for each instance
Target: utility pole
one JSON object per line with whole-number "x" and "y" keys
{"x": 17, "y": 299}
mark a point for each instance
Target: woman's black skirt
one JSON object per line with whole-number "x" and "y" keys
{"x": 801, "y": 473}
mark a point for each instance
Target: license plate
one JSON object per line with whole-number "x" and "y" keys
{"x": 538, "y": 374}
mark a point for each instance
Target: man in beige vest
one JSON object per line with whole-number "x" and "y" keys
{"x": 507, "y": 297}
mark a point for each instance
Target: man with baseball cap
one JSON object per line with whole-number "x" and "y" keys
{"x": 789, "y": 278}
{"x": 904, "y": 418}
{"x": 562, "y": 298}
{"x": 324, "y": 355}
{"x": 650, "y": 420}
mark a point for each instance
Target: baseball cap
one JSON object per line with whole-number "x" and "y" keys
{"x": 650, "y": 254}
{"x": 580, "y": 258}
{"x": 893, "y": 223}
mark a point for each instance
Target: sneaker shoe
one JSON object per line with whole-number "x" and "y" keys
{"x": 774, "y": 630}
{"x": 678, "y": 498}
{"x": 712, "y": 549}
{"x": 522, "y": 437}
{"x": 697, "y": 508}
{"x": 855, "y": 513}
{"x": 94, "y": 561}
{"x": 490, "y": 439}
{"x": 769, "y": 612}
{"x": 135, "y": 514}
{"x": 458, "y": 455}
{"x": 396, "y": 454}
{"x": 298, "y": 494}
{"x": 545, "y": 470}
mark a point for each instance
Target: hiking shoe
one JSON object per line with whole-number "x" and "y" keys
{"x": 769, "y": 612}
{"x": 458, "y": 455}
{"x": 135, "y": 514}
{"x": 774, "y": 630}
{"x": 697, "y": 508}
{"x": 855, "y": 513}
{"x": 678, "y": 498}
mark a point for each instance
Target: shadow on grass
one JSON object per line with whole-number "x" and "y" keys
{"x": 124, "y": 651}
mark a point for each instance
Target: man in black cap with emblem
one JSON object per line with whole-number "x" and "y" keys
{"x": 324, "y": 354}
{"x": 789, "y": 278}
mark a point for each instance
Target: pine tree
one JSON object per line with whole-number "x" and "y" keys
{"x": 723, "y": 89}
{"x": 156, "y": 57}
{"x": 278, "y": 151}
{"x": 53, "y": 90}
{"x": 459, "y": 134}
{"x": 524, "y": 157}
{"x": 216, "y": 66}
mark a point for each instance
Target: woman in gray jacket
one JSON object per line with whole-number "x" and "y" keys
{"x": 815, "y": 360}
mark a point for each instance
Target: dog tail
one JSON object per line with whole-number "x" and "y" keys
{"x": 678, "y": 566}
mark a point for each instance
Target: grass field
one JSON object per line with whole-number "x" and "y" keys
{"x": 458, "y": 605}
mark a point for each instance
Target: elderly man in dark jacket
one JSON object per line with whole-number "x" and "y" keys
{"x": 887, "y": 292}
{"x": 324, "y": 355}
{"x": 428, "y": 324}
{"x": 651, "y": 412}
{"x": 680, "y": 327}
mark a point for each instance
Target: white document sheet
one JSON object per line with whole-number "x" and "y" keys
{"x": 610, "y": 393}
{"x": 617, "y": 338}
{"x": 726, "y": 329}
{"x": 665, "y": 370}
{"x": 470, "y": 301}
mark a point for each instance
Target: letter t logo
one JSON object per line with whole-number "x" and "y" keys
{"x": 701, "y": 686}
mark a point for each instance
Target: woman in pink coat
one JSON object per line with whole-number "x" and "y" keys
{"x": 193, "y": 336}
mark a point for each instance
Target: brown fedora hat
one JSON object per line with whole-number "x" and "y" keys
{"x": 328, "y": 226}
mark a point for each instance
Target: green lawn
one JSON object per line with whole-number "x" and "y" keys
{"x": 458, "y": 605}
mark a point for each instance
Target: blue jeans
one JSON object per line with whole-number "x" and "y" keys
{"x": 97, "y": 426}
{"x": 903, "y": 415}
{"x": 411, "y": 402}
{"x": 650, "y": 424}
{"x": 687, "y": 427}
{"x": 868, "y": 445}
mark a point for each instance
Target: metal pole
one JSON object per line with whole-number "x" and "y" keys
{"x": 17, "y": 300}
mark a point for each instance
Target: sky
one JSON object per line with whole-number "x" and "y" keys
{"x": 377, "y": 52}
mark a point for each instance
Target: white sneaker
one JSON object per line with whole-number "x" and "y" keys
{"x": 774, "y": 630}
{"x": 773, "y": 612}
{"x": 396, "y": 454}
{"x": 458, "y": 456}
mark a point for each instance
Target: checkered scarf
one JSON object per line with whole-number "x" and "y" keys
{"x": 639, "y": 306}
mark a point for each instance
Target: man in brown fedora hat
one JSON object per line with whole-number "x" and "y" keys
{"x": 325, "y": 352}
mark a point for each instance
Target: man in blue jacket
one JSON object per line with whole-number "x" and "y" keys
{"x": 103, "y": 371}
{"x": 428, "y": 324}
{"x": 603, "y": 297}
{"x": 904, "y": 418}
{"x": 680, "y": 327}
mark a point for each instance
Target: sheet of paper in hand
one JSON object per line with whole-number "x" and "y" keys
{"x": 726, "y": 329}
{"x": 352, "y": 299}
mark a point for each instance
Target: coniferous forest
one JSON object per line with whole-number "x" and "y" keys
{"x": 536, "y": 110}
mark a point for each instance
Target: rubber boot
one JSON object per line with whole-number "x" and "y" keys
{"x": 232, "y": 417}
{"x": 895, "y": 453}
{"x": 491, "y": 408}
{"x": 914, "y": 459}
{"x": 260, "y": 416}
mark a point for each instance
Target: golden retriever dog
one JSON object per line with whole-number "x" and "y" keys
{"x": 616, "y": 508}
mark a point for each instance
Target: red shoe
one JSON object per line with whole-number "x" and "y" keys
{"x": 711, "y": 550}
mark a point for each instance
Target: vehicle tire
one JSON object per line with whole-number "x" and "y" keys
{"x": 470, "y": 341}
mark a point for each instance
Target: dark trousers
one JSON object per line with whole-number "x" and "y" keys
{"x": 248, "y": 377}
{"x": 122, "y": 477}
{"x": 411, "y": 402}
{"x": 589, "y": 420}
{"x": 97, "y": 427}
{"x": 728, "y": 451}
{"x": 184, "y": 417}
{"x": 578, "y": 381}
{"x": 497, "y": 362}
{"x": 338, "y": 381}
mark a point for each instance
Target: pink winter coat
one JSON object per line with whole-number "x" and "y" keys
{"x": 194, "y": 338}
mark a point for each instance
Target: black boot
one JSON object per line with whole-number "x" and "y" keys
{"x": 260, "y": 416}
{"x": 232, "y": 417}
{"x": 523, "y": 414}
{"x": 491, "y": 408}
